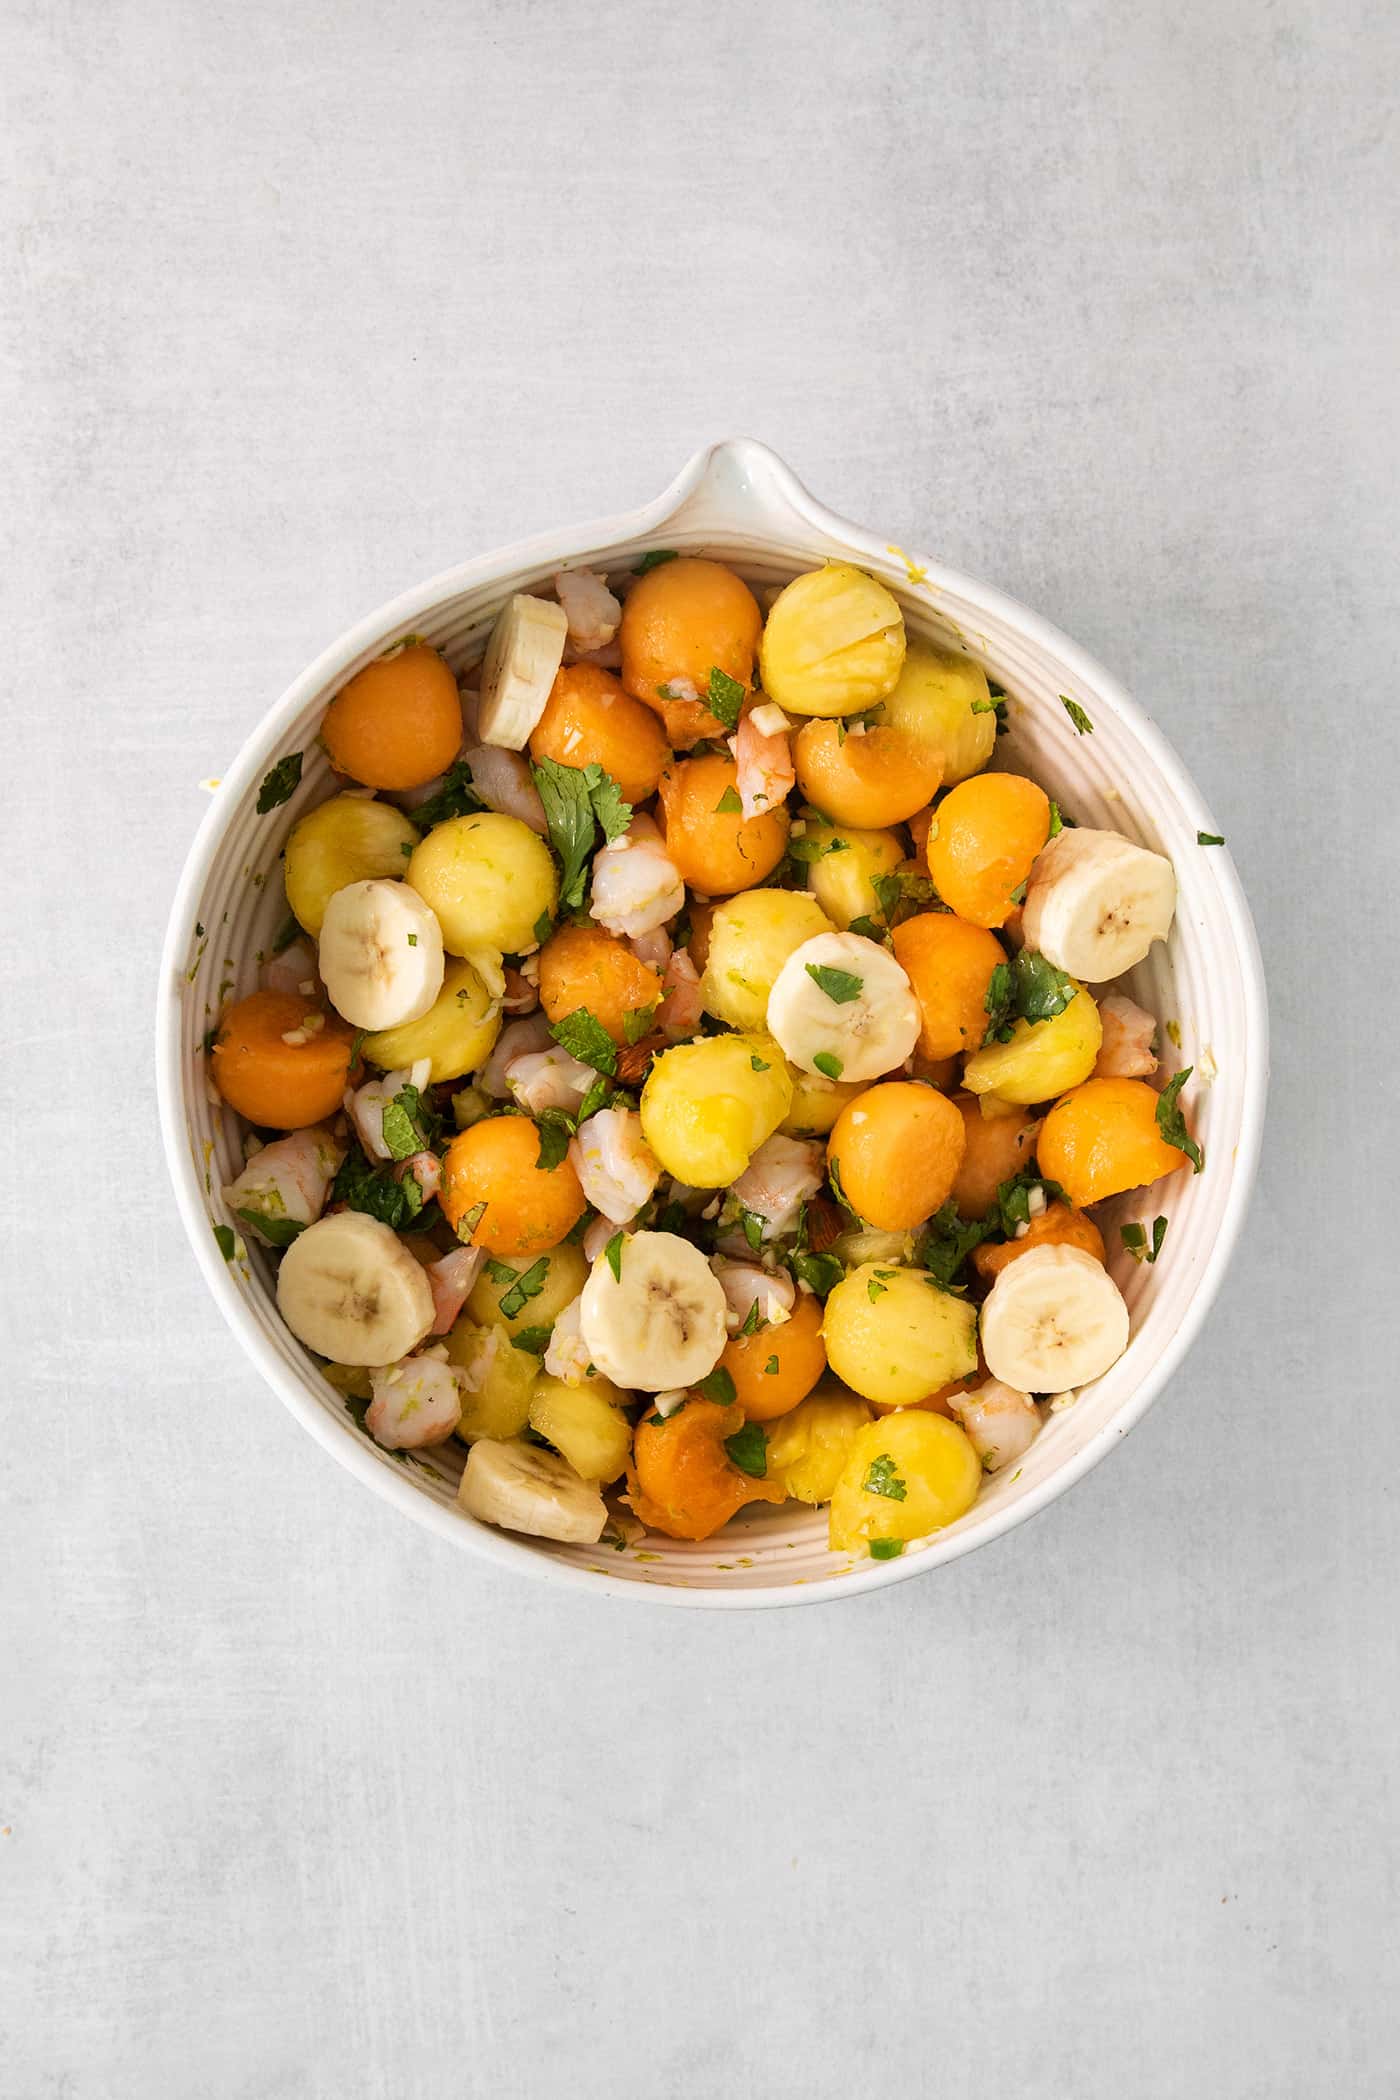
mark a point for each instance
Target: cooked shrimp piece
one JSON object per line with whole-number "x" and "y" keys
{"x": 502, "y": 781}
{"x": 287, "y": 1181}
{"x": 1001, "y": 1423}
{"x": 450, "y": 1280}
{"x": 678, "y": 1015}
{"x": 763, "y": 759}
{"x": 515, "y": 1040}
{"x": 365, "y": 1106}
{"x": 615, "y": 1164}
{"x": 653, "y": 949}
{"x": 294, "y": 970}
{"x": 416, "y": 1402}
{"x": 567, "y": 1355}
{"x": 636, "y": 885}
{"x": 590, "y": 608}
{"x": 1126, "y": 1051}
{"x": 745, "y": 1285}
{"x": 779, "y": 1178}
{"x": 548, "y": 1079}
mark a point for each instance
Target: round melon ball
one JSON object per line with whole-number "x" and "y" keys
{"x": 751, "y": 937}
{"x": 491, "y": 881}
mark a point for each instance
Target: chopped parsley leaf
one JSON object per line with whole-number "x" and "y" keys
{"x": 752, "y": 1225}
{"x": 576, "y": 800}
{"x": 770, "y": 1369}
{"x": 1042, "y": 991}
{"x": 543, "y": 927}
{"x": 612, "y": 1253}
{"x": 278, "y": 1232}
{"x": 729, "y": 804}
{"x": 654, "y": 559}
{"x": 279, "y": 783}
{"x": 751, "y": 1318}
{"x": 874, "y": 1288}
{"x": 1057, "y": 822}
{"x": 820, "y": 1272}
{"x": 947, "y": 1241}
{"x": 455, "y": 798}
{"x": 1082, "y": 725}
{"x": 532, "y": 1341}
{"x": 1159, "y": 1233}
{"x": 373, "y": 1190}
{"x": 1210, "y": 838}
{"x": 716, "y": 1385}
{"x": 998, "y": 1003}
{"x": 226, "y": 1240}
{"x": 759, "y": 1064}
{"x": 638, "y": 1022}
{"x": 830, "y": 1067}
{"x": 599, "y": 1092}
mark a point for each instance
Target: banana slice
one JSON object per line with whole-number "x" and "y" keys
{"x": 842, "y": 1006}
{"x": 522, "y": 1487}
{"x": 380, "y": 954}
{"x": 1054, "y": 1318}
{"x": 660, "y": 1321}
{"x": 522, "y": 658}
{"x": 350, "y": 1289}
{"x": 1095, "y": 903}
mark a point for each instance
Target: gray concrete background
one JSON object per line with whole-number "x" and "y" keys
{"x": 302, "y": 302}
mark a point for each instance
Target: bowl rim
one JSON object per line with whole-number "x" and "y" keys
{"x": 758, "y": 465}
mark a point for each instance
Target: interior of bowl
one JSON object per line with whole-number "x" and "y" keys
{"x": 1202, "y": 985}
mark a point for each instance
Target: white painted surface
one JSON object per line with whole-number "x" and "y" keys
{"x": 300, "y": 304}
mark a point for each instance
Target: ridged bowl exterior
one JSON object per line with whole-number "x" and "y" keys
{"x": 738, "y": 502}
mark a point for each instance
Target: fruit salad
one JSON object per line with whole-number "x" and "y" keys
{"x": 691, "y": 1068}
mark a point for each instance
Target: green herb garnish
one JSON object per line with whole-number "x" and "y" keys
{"x": 638, "y": 1022}
{"x": 830, "y": 1067}
{"x": 555, "y": 1128}
{"x": 882, "y": 1479}
{"x": 576, "y": 801}
{"x": 373, "y": 1190}
{"x": 1210, "y": 838}
{"x": 998, "y": 1003}
{"x": 278, "y": 1232}
{"x": 1042, "y": 991}
{"x": 1170, "y": 1123}
{"x": 527, "y": 1285}
{"x": 820, "y": 1272}
{"x": 279, "y": 783}
{"x": 612, "y": 1254}
{"x": 729, "y": 804}
{"x": 532, "y": 1341}
{"x": 1083, "y": 726}
{"x": 583, "y": 1035}
{"x": 889, "y": 1549}
{"x": 770, "y": 1369}
{"x": 725, "y": 696}
{"x": 716, "y": 1385}
{"x": 840, "y": 986}
{"x": 654, "y": 560}
{"x": 455, "y": 798}
{"x": 748, "y": 1450}
{"x": 226, "y": 1239}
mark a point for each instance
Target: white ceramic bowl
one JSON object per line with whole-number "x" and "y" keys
{"x": 741, "y": 504}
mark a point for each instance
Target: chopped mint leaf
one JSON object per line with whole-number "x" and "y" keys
{"x": 867, "y": 929}
{"x": 759, "y": 1064}
{"x": 373, "y": 1190}
{"x": 584, "y": 1037}
{"x": 1042, "y": 991}
{"x": 820, "y": 1272}
{"x": 413, "y": 940}
{"x": 526, "y": 1286}
{"x": 889, "y": 1549}
{"x": 840, "y": 986}
{"x": 278, "y": 1232}
{"x": 1159, "y": 1233}
{"x": 455, "y": 798}
{"x": 1018, "y": 895}
{"x": 1210, "y": 838}
{"x": 613, "y": 1255}
{"x": 1171, "y": 1124}
{"x": 874, "y": 1288}
{"x": 881, "y": 1478}
{"x": 729, "y": 804}
{"x": 599, "y": 1093}
{"x": 750, "y": 1325}
{"x": 280, "y": 783}
{"x": 748, "y": 1450}
{"x": 654, "y": 560}
{"x": 830, "y": 1067}
{"x": 770, "y": 1369}
{"x": 1134, "y": 1239}
{"x": 532, "y": 1341}
{"x": 998, "y": 1003}
{"x": 544, "y": 927}
{"x": 725, "y": 696}
{"x": 1082, "y": 725}
{"x": 947, "y": 1241}
{"x": 752, "y": 1225}
{"x": 716, "y": 1385}
{"x": 575, "y": 803}
{"x": 466, "y": 1225}
{"x": 555, "y": 1130}
{"x": 226, "y": 1240}
{"x": 638, "y": 1022}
